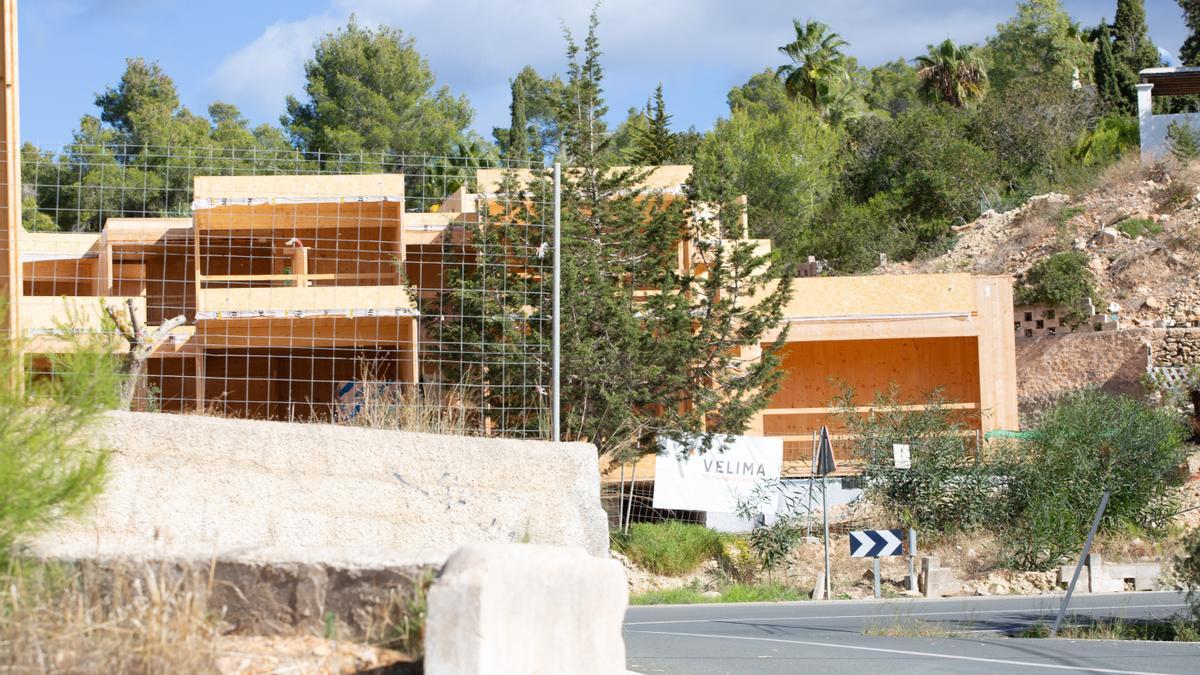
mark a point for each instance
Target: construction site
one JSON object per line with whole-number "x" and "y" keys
{"x": 293, "y": 297}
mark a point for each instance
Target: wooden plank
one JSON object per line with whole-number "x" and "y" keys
{"x": 868, "y": 408}
{"x": 333, "y": 276}
{"x": 10, "y": 174}
{"x": 299, "y": 186}
{"x": 301, "y": 299}
{"x": 199, "y": 378}
{"x": 302, "y": 333}
{"x": 287, "y": 217}
{"x": 874, "y": 329}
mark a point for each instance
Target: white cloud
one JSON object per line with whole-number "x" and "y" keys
{"x": 697, "y": 48}
{"x": 260, "y": 75}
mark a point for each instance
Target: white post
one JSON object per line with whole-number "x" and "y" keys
{"x": 1146, "y": 123}
{"x": 555, "y": 384}
{"x": 875, "y": 567}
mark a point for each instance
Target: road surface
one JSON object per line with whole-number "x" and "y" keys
{"x": 844, "y": 637}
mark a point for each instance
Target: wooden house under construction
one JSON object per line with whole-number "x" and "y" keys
{"x": 292, "y": 289}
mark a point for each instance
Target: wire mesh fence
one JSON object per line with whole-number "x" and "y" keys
{"x": 376, "y": 289}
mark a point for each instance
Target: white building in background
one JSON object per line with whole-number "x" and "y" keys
{"x": 1156, "y": 82}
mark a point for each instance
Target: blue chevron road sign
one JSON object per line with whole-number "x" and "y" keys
{"x": 876, "y": 543}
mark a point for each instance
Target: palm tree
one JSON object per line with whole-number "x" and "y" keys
{"x": 952, "y": 74}
{"x": 816, "y": 57}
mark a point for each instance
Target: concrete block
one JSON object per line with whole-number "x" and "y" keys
{"x": 1098, "y": 580}
{"x": 818, "y": 592}
{"x": 936, "y": 581}
{"x": 1064, "y": 578}
{"x": 524, "y": 608}
{"x": 190, "y": 487}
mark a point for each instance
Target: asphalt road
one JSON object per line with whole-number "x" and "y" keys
{"x": 843, "y": 637}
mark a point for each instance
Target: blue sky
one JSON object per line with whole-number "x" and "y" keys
{"x": 250, "y": 52}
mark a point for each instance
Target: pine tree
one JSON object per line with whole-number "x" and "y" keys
{"x": 1110, "y": 79}
{"x": 654, "y": 144}
{"x": 648, "y": 350}
{"x": 1189, "y": 51}
{"x": 1131, "y": 40}
{"x": 518, "y": 135}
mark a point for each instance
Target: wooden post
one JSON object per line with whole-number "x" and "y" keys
{"x": 10, "y": 174}
{"x": 200, "y": 382}
{"x": 104, "y": 269}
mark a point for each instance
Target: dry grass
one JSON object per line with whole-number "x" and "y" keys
{"x": 79, "y": 619}
{"x": 430, "y": 409}
{"x": 85, "y": 618}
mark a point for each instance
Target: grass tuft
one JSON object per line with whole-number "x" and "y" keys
{"x": 1139, "y": 227}
{"x": 671, "y": 547}
{"x": 690, "y": 595}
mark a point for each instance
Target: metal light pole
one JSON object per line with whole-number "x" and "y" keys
{"x": 555, "y": 384}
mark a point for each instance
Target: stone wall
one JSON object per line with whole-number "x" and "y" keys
{"x": 1051, "y": 365}
{"x": 1176, "y": 347}
{"x": 1114, "y": 361}
{"x": 187, "y": 487}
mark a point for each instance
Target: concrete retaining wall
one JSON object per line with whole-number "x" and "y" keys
{"x": 195, "y": 488}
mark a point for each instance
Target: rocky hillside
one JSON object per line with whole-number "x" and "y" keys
{"x": 1140, "y": 229}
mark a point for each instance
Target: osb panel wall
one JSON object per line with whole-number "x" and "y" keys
{"x": 872, "y": 295}
{"x": 818, "y": 370}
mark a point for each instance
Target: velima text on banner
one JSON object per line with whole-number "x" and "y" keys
{"x": 687, "y": 479}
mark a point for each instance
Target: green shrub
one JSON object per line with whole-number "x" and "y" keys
{"x": 48, "y": 468}
{"x": 1087, "y": 442}
{"x": 1137, "y": 227}
{"x": 671, "y": 547}
{"x": 947, "y": 489}
{"x": 1114, "y": 136}
{"x": 1061, "y": 280}
{"x": 1184, "y": 141}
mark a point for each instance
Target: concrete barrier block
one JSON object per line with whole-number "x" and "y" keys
{"x": 523, "y": 608}
{"x": 1064, "y": 578}
{"x": 192, "y": 487}
{"x": 1098, "y": 579}
{"x": 936, "y": 581}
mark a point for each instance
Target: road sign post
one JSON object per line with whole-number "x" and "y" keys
{"x": 874, "y": 544}
{"x": 1087, "y": 548}
{"x": 825, "y": 466}
{"x": 912, "y": 558}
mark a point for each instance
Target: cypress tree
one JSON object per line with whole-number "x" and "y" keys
{"x": 648, "y": 350}
{"x": 1189, "y": 51}
{"x": 1109, "y": 80}
{"x": 1131, "y": 40}
{"x": 654, "y": 144}
{"x": 518, "y": 134}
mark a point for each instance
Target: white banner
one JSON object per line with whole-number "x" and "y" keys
{"x": 686, "y": 479}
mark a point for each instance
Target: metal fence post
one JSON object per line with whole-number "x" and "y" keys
{"x": 912, "y": 557}
{"x": 555, "y": 384}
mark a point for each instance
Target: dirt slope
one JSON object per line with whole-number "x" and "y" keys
{"x": 1154, "y": 278}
